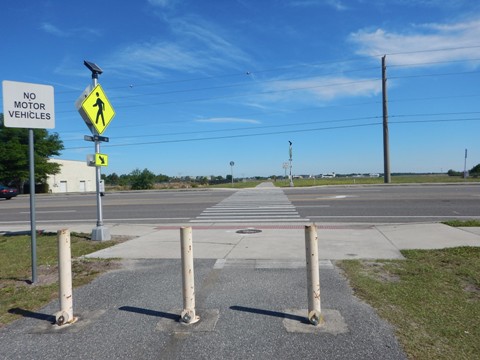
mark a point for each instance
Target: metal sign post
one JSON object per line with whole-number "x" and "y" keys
{"x": 290, "y": 153}
{"x": 100, "y": 232}
{"x": 33, "y": 225}
{"x": 29, "y": 106}
{"x": 96, "y": 111}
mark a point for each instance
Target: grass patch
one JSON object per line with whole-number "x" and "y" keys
{"x": 239, "y": 185}
{"x": 16, "y": 292}
{"x": 432, "y": 298}
{"x": 462, "y": 223}
{"x": 396, "y": 179}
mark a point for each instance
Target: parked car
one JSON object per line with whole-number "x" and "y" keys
{"x": 7, "y": 192}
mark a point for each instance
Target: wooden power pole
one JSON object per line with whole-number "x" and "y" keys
{"x": 386, "y": 147}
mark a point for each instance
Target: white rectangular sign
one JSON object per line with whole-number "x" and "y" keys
{"x": 28, "y": 105}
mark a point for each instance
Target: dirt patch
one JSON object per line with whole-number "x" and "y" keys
{"x": 379, "y": 272}
{"x": 473, "y": 290}
{"x": 82, "y": 269}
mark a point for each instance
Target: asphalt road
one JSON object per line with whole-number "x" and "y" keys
{"x": 388, "y": 204}
{"x": 370, "y": 204}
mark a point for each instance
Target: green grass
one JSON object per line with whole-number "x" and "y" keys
{"x": 432, "y": 298}
{"x": 238, "y": 185}
{"x": 400, "y": 179}
{"x": 16, "y": 271}
{"x": 462, "y": 223}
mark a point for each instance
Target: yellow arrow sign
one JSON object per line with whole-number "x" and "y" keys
{"x": 101, "y": 159}
{"x": 98, "y": 109}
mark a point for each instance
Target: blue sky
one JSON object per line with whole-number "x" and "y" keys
{"x": 197, "y": 84}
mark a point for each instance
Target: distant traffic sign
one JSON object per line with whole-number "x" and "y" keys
{"x": 96, "y": 138}
{"x": 101, "y": 159}
{"x": 97, "y": 109}
{"x": 28, "y": 105}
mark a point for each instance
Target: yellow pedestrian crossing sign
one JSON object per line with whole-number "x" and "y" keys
{"x": 97, "y": 109}
{"x": 101, "y": 159}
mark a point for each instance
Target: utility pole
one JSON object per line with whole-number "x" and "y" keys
{"x": 386, "y": 147}
{"x": 465, "y": 166}
{"x": 290, "y": 153}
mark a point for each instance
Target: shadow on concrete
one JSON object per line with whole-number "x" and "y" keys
{"x": 278, "y": 314}
{"x": 148, "y": 312}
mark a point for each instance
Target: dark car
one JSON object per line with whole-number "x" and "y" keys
{"x": 7, "y": 192}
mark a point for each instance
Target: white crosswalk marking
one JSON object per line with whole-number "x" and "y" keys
{"x": 262, "y": 204}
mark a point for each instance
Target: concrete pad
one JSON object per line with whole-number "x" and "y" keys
{"x": 427, "y": 236}
{"x": 471, "y": 229}
{"x": 334, "y": 323}
{"x": 208, "y": 321}
{"x": 271, "y": 244}
{"x": 267, "y": 264}
{"x": 154, "y": 247}
{"x": 362, "y": 243}
{"x": 130, "y": 229}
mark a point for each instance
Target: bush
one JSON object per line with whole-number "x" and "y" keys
{"x": 142, "y": 180}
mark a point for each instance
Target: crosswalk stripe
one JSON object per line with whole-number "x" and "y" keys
{"x": 252, "y": 205}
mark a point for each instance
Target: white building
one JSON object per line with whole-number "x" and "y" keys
{"x": 74, "y": 176}
{"x": 329, "y": 176}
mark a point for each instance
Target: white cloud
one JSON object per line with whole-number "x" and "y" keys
{"x": 336, "y": 4}
{"x": 162, "y": 3}
{"x": 151, "y": 59}
{"x": 422, "y": 43}
{"x": 321, "y": 88}
{"x": 195, "y": 46}
{"x": 228, "y": 120}
{"x": 53, "y": 30}
{"x": 211, "y": 40}
{"x": 80, "y": 32}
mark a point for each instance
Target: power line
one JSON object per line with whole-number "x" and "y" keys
{"x": 225, "y": 137}
{"x": 432, "y": 63}
{"x": 302, "y": 65}
{"x": 268, "y": 92}
{"x": 277, "y": 132}
{"x": 318, "y": 108}
{"x": 431, "y": 75}
{"x": 297, "y": 124}
{"x": 431, "y": 50}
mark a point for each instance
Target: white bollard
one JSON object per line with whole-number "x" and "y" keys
{"x": 188, "y": 315}
{"x": 65, "y": 315}
{"x": 313, "y": 275}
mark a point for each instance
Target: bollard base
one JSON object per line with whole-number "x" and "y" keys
{"x": 189, "y": 317}
{"x": 64, "y": 318}
{"x": 101, "y": 233}
{"x": 315, "y": 317}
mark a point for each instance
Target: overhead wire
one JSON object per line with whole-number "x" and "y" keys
{"x": 278, "y": 132}
{"x": 304, "y": 65}
{"x": 300, "y": 88}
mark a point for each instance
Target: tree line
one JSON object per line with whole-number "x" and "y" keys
{"x": 473, "y": 172}
{"x": 14, "y": 155}
{"x": 146, "y": 179}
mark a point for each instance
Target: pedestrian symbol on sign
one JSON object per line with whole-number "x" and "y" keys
{"x": 101, "y": 106}
{"x": 96, "y": 107}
